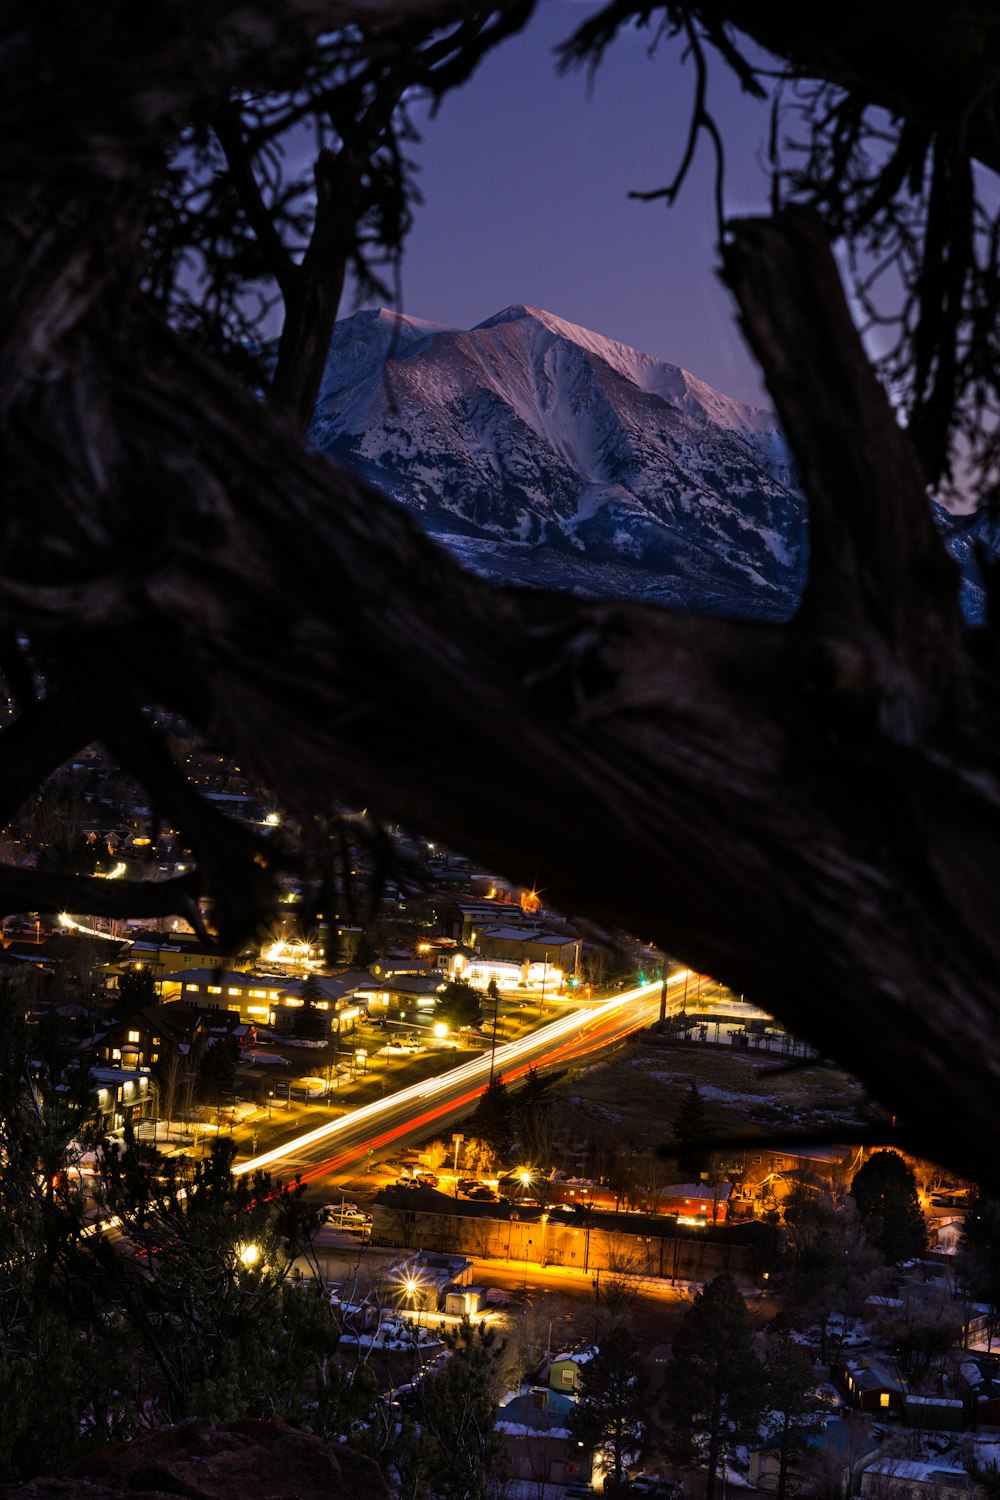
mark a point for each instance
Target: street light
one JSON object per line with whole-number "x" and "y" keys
{"x": 249, "y": 1254}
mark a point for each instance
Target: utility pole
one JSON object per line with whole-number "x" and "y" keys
{"x": 545, "y": 974}
{"x": 458, "y": 1139}
{"x": 493, "y": 1048}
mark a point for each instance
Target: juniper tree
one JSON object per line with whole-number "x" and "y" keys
{"x": 885, "y": 1192}
{"x": 713, "y": 1380}
{"x": 789, "y": 1390}
{"x": 690, "y": 1130}
{"x": 493, "y": 1119}
{"x": 610, "y": 1410}
{"x": 457, "y": 1411}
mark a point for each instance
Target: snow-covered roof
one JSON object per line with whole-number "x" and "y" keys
{"x": 578, "y": 1356}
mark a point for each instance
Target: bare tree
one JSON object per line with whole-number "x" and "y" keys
{"x": 834, "y": 781}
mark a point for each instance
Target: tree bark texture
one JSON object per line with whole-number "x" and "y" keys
{"x": 811, "y": 813}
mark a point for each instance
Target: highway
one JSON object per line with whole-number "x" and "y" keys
{"x": 432, "y": 1105}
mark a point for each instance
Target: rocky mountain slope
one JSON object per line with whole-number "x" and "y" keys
{"x": 542, "y": 453}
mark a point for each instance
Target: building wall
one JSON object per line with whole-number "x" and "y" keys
{"x": 598, "y": 1251}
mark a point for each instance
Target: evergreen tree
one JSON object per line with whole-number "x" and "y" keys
{"x": 465, "y": 1455}
{"x": 789, "y": 1388}
{"x": 211, "y": 1254}
{"x": 533, "y": 1105}
{"x": 690, "y": 1130}
{"x": 831, "y": 1265}
{"x": 713, "y": 1378}
{"x": 494, "y": 1118}
{"x": 136, "y": 991}
{"x": 611, "y": 1403}
{"x": 216, "y": 1072}
{"x": 885, "y": 1192}
{"x": 459, "y": 1004}
{"x": 311, "y": 1024}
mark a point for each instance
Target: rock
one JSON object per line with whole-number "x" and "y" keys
{"x": 201, "y": 1460}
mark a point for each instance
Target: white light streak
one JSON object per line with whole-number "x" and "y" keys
{"x": 475, "y": 1070}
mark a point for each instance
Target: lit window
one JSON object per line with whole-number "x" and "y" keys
{"x": 272, "y": 994}
{"x": 883, "y": 1400}
{"x": 116, "y": 1053}
{"x": 258, "y": 994}
{"x": 155, "y": 1057}
{"x": 214, "y": 989}
{"x": 236, "y": 992}
{"x": 194, "y": 987}
{"x": 133, "y": 1036}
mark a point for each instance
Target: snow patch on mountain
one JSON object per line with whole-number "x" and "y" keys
{"x": 543, "y": 453}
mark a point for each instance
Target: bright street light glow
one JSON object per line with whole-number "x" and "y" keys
{"x": 249, "y": 1254}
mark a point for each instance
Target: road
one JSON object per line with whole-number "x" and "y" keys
{"x": 336, "y": 1148}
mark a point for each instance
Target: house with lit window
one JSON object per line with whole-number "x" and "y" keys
{"x": 149, "y": 1036}
{"x": 338, "y": 999}
{"x": 399, "y": 994}
{"x": 271, "y": 1000}
{"x": 122, "y": 1094}
{"x": 540, "y": 1446}
{"x": 870, "y": 1383}
{"x": 165, "y": 953}
{"x": 252, "y": 996}
{"x": 564, "y": 1369}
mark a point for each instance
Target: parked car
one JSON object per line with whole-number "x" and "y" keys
{"x": 427, "y": 1179}
{"x": 482, "y": 1195}
{"x": 579, "y": 1492}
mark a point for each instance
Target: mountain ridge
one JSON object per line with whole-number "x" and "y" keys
{"x": 541, "y": 451}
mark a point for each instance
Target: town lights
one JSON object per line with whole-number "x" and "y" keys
{"x": 524, "y": 1176}
{"x": 440, "y": 1029}
{"x": 249, "y": 1255}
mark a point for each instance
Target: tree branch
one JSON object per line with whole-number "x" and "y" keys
{"x": 882, "y": 595}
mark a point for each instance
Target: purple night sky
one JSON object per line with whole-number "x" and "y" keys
{"x": 525, "y": 176}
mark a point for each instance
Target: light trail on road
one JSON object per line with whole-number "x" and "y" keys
{"x": 576, "y": 1031}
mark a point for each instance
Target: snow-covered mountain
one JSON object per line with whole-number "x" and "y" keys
{"x": 542, "y": 453}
